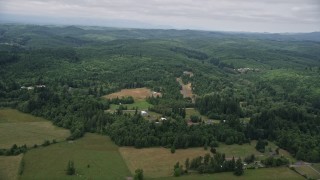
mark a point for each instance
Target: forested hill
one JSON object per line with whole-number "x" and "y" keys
{"x": 269, "y": 80}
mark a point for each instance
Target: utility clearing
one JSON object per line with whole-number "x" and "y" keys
{"x": 186, "y": 90}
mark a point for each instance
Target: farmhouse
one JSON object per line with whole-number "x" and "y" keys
{"x": 143, "y": 113}
{"x": 155, "y": 94}
{"x": 40, "y": 86}
{"x": 163, "y": 119}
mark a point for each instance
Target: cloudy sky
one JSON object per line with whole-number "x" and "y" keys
{"x": 221, "y": 15}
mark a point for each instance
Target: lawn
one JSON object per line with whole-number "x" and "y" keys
{"x": 282, "y": 173}
{"x": 140, "y": 104}
{"x": 192, "y": 111}
{"x": 94, "y": 156}
{"x": 20, "y": 128}
{"x": 9, "y": 166}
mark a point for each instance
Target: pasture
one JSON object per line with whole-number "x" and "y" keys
{"x": 158, "y": 162}
{"x": 137, "y": 94}
{"x": 282, "y": 173}
{"x": 248, "y": 149}
{"x": 140, "y": 104}
{"x": 94, "y": 156}
{"x": 15, "y": 116}
{"x": 308, "y": 171}
{"x": 20, "y": 128}
{"x": 9, "y": 167}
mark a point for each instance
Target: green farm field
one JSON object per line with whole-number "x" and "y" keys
{"x": 282, "y": 173}
{"x": 20, "y": 128}
{"x": 15, "y": 116}
{"x": 309, "y": 171}
{"x": 9, "y": 167}
{"x": 140, "y": 104}
{"x": 94, "y": 156}
{"x": 158, "y": 162}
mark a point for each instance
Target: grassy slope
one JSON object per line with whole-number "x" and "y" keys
{"x": 97, "y": 151}
{"x": 316, "y": 166}
{"x": 308, "y": 171}
{"x": 20, "y": 128}
{"x": 9, "y": 166}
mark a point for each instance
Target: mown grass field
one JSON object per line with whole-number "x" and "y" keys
{"x": 158, "y": 162}
{"x": 140, "y": 104}
{"x": 9, "y": 167}
{"x": 20, "y": 128}
{"x": 282, "y": 173}
{"x": 248, "y": 149}
{"x": 97, "y": 151}
{"x": 15, "y": 116}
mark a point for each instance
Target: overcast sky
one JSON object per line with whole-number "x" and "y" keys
{"x": 225, "y": 15}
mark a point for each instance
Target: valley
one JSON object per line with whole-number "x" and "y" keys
{"x": 82, "y": 102}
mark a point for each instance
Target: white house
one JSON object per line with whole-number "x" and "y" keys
{"x": 163, "y": 119}
{"x": 144, "y": 113}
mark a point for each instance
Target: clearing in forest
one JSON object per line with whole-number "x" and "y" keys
{"x": 94, "y": 156}
{"x": 193, "y": 111}
{"x": 9, "y": 167}
{"x": 186, "y": 90}
{"x": 21, "y": 128}
{"x": 137, "y": 93}
{"x": 141, "y": 105}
